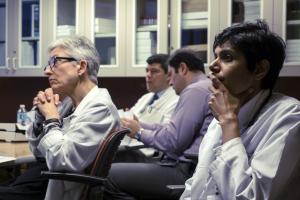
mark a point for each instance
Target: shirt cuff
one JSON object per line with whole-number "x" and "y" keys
{"x": 146, "y": 136}
{"x": 49, "y": 139}
{"x": 228, "y": 151}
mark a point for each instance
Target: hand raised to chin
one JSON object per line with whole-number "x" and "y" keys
{"x": 47, "y": 103}
{"x": 224, "y": 105}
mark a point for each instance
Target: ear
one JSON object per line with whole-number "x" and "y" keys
{"x": 82, "y": 67}
{"x": 183, "y": 68}
{"x": 262, "y": 68}
{"x": 168, "y": 75}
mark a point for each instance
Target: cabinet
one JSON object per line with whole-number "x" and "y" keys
{"x": 126, "y": 32}
{"x": 190, "y": 26}
{"x": 21, "y": 37}
{"x": 283, "y": 17}
{"x": 170, "y": 25}
{"x": 109, "y": 35}
{"x": 287, "y": 25}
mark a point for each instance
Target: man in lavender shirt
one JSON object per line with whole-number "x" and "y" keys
{"x": 180, "y": 136}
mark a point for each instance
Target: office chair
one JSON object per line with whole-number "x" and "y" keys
{"x": 178, "y": 189}
{"x": 95, "y": 179}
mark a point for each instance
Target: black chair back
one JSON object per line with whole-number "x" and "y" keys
{"x": 95, "y": 177}
{"x": 104, "y": 158}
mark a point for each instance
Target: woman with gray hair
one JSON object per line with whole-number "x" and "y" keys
{"x": 66, "y": 135}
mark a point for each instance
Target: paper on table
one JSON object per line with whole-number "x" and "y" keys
{"x": 4, "y": 159}
{"x": 125, "y": 114}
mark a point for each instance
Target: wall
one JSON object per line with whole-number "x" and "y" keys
{"x": 15, "y": 91}
{"x": 124, "y": 91}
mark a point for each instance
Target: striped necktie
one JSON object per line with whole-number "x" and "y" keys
{"x": 154, "y": 98}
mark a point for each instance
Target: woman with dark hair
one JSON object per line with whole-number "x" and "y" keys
{"x": 255, "y": 132}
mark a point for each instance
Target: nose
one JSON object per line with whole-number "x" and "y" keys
{"x": 47, "y": 71}
{"x": 171, "y": 81}
{"x": 148, "y": 74}
{"x": 215, "y": 66}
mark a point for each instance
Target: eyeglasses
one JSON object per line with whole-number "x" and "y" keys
{"x": 54, "y": 59}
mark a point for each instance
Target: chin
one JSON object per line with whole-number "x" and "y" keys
{"x": 150, "y": 89}
{"x": 56, "y": 89}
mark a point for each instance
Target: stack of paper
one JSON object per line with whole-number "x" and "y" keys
{"x": 8, "y": 136}
{"x": 293, "y": 50}
{"x": 194, "y": 5}
{"x": 145, "y": 45}
{"x": 193, "y": 20}
{"x": 65, "y": 30}
{"x": 28, "y": 53}
{"x": 252, "y": 10}
{"x": 104, "y": 25}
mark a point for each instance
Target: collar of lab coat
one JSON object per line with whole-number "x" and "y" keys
{"x": 90, "y": 95}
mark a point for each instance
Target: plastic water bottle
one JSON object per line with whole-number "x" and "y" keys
{"x": 22, "y": 115}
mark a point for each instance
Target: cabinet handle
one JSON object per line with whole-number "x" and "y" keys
{"x": 14, "y": 66}
{"x": 7, "y": 62}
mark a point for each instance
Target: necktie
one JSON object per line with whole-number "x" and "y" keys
{"x": 155, "y": 97}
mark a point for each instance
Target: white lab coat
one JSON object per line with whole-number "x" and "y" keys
{"x": 246, "y": 167}
{"x": 160, "y": 111}
{"x": 74, "y": 146}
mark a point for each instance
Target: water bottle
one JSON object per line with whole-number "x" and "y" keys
{"x": 22, "y": 115}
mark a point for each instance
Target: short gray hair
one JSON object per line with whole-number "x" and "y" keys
{"x": 80, "y": 48}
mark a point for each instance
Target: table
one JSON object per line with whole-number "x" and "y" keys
{"x": 19, "y": 150}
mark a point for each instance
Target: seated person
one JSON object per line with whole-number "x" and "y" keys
{"x": 241, "y": 155}
{"x": 157, "y": 106}
{"x": 182, "y": 134}
{"x": 67, "y": 140}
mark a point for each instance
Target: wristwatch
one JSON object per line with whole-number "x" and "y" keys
{"x": 51, "y": 123}
{"x": 138, "y": 134}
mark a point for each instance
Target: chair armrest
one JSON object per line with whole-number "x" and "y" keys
{"x": 191, "y": 156}
{"x": 176, "y": 190}
{"x": 131, "y": 148}
{"x": 74, "y": 177}
{"x": 25, "y": 160}
{"x": 176, "y": 187}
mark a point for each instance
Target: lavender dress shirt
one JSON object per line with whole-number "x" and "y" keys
{"x": 184, "y": 132}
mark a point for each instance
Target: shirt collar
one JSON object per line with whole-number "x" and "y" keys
{"x": 90, "y": 95}
{"x": 200, "y": 77}
{"x": 160, "y": 93}
{"x": 249, "y": 110}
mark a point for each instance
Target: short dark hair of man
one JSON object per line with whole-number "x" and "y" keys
{"x": 256, "y": 42}
{"x": 161, "y": 59}
{"x": 187, "y": 56}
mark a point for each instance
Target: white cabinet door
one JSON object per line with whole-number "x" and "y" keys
{"x": 147, "y": 33}
{"x": 287, "y": 25}
{"x": 65, "y": 18}
{"x": 194, "y": 24}
{"x": 22, "y": 35}
{"x": 282, "y": 16}
{"x": 105, "y": 26}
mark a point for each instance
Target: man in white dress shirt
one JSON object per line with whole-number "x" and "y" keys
{"x": 156, "y": 106}
{"x": 251, "y": 149}
{"x": 157, "y": 83}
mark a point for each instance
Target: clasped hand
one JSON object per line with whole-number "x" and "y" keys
{"x": 47, "y": 102}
